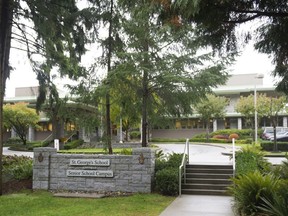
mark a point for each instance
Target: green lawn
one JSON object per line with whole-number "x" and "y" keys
{"x": 43, "y": 203}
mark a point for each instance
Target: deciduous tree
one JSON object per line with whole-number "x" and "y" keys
{"x": 19, "y": 118}
{"x": 211, "y": 108}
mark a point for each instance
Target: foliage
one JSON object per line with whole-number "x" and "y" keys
{"x": 30, "y": 203}
{"x": 161, "y": 63}
{"x": 210, "y": 108}
{"x": 277, "y": 205}
{"x": 233, "y": 136}
{"x": 19, "y": 117}
{"x": 135, "y": 135}
{"x": 13, "y": 141}
{"x": 281, "y": 170}
{"x": 240, "y": 132}
{"x": 126, "y": 151}
{"x": 166, "y": 174}
{"x": 18, "y": 167}
{"x": 269, "y": 146}
{"x": 250, "y": 159}
{"x": 73, "y": 144}
{"x": 249, "y": 191}
{"x": 167, "y": 181}
{"x": 219, "y": 21}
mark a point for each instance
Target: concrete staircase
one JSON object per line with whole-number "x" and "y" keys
{"x": 207, "y": 179}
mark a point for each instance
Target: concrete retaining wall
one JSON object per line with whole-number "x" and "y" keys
{"x": 53, "y": 171}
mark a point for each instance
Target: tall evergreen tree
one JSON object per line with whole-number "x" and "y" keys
{"x": 219, "y": 19}
{"x": 165, "y": 57}
{"x": 53, "y": 29}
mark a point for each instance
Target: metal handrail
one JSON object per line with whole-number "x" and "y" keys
{"x": 47, "y": 138}
{"x": 185, "y": 159}
{"x": 233, "y": 157}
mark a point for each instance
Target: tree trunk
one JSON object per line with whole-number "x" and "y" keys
{"x": 207, "y": 130}
{"x": 108, "y": 115}
{"x": 144, "y": 108}
{"x": 275, "y": 147}
{"x": 6, "y": 14}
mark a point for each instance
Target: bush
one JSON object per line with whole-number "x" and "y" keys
{"x": 18, "y": 167}
{"x": 166, "y": 174}
{"x": 278, "y": 205}
{"x": 233, "y": 136}
{"x": 135, "y": 135}
{"x": 220, "y": 136}
{"x": 241, "y": 132}
{"x": 269, "y": 146}
{"x": 167, "y": 182}
{"x": 250, "y": 190}
{"x": 250, "y": 160}
{"x": 74, "y": 144}
{"x": 14, "y": 141}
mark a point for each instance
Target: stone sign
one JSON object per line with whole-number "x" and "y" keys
{"x": 90, "y": 173}
{"x": 89, "y": 162}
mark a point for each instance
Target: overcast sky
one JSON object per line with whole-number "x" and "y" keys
{"x": 249, "y": 62}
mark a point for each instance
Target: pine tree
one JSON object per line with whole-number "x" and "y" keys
{"x": 165, "y": 58}
{"x": 55, "y": 34}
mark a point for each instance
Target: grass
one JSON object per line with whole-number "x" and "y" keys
{"x": 44, "y": 204}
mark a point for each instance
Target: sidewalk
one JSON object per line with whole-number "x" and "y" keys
{"x": 200, "y": 205}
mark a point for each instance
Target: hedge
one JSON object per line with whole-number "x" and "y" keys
{"x": 269, "y": 146}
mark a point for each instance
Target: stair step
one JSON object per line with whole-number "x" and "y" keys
{"x": 200, "y": 166}
{"x": 215, "y": 171}
{"x": 206, "y": 186}
{"x": 208, "y": 175}
{"x": 204, "y": 192}
{"x": 207, "y": 181}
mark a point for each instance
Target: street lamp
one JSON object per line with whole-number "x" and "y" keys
{"x": 258, "y": 76}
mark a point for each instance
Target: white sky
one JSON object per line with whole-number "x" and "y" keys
{"x": 249, "y": 62}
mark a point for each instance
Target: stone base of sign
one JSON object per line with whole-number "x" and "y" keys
{"x": 125, "y": 173}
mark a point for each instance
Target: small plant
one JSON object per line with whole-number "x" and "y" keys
{"x": 166, "y": 174}
{"x": 251, "y": 160}
{"x": 250, "y": 190}
{"x": 167, "y": 181}
{"x": 18, "y": 167}
{"x": 278, "y": 205}
{"x": 74, "y": 144}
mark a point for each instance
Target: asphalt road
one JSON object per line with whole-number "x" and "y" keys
{"x": 201, "y": 154}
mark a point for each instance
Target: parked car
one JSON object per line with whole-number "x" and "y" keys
{"x": 279, "y": 136}
{"x": 268, "y": 132}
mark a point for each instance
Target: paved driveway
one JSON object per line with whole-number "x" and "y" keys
{"x": 200, "y": 154}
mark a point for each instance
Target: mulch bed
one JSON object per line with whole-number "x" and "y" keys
{"x": 16, "y": 185}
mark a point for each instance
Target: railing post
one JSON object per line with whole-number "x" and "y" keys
{"x": 233, "y": 156}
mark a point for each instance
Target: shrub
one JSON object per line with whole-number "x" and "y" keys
{"x": 135, "y": 135}
{"x": 18, "y": 167}
{"x": 250, "y": 160}
{"x": 250, "y": 190}
{"x": 74, "y": 144}
{"x": 166, "y": 174}
{"x": 269, "y": 146}
{"x": 125, "y": 151}
{"x": 167, "y": 182}
{"x": 220, "y": 136}
{"x": 278, "y": 205}
{"x": 233, "y": 136}
{"x": 14, "y": 141}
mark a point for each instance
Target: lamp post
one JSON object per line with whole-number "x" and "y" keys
{"x": 258, "y": 76}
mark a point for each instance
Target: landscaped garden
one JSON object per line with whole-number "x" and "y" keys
{"x": 259, "y": 188}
